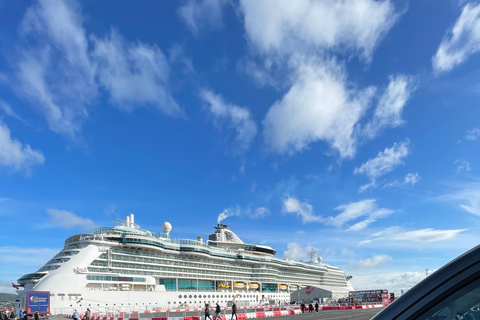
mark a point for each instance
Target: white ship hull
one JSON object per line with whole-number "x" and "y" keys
{"x": 126, "y": 269}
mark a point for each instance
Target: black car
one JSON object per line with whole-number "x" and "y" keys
{"x": 450, "y": 293}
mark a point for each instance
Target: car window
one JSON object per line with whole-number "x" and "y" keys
{"x": 464, "y": 304}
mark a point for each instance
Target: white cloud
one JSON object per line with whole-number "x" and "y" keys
{"x": 54, "y": 70}
{"x": 59, "y": 71}
{"x": 296, "y": 252}
{"x": 134, "y": 74}
{"x": 410, "y": 180}
{"x": 348, "y": 213}
{"x": 462, "y": 165}
{"x": 317, "y": 107}
{"x": 466, "y": 195}
{"x": 15, "y": 155}
{"x": 472, "y": 134}
{"x": 9, "y": 111}
{"x": 111, "y": 209}
{"x": 67, "y": 219}
{"x": 283, "y": 27}
{"x": 383, "y": 163}
{"x": 260, "y": 212}
{"x": 354, "y": 210}
{"x": 461, "y": 41}
{"x": 16, "y": 255}
{"x": 260, "y": 73}
{"x": 374, "y": 261}
{"x": 176, "y": 55}
{"x": 201, "y": 13}
{"x": 421, "y": 235}
{"x": 238, "y": 118}
{"x": 388, "y": 112}
{"x": 6, "y": 287}
{"x": 302, "y": 209}
{"x": 393, "y": 282}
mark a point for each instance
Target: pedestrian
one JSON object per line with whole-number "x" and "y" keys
{"x": 302, "y": 307}
{"x": 207, "y": 312}
{"x": 88, "y": 313}
{"x": 20, "y": 314}
{"x": 74, "y": 315}
{"x": 25, "y": 315}
{"x": 310, "y": 307}
{"x": 36, "y": 315}
{"x": 218, "y": 311}
{"x": 12, "y": 314}
{"x": 316, "y": 306}
{"x": 234, "y": 311}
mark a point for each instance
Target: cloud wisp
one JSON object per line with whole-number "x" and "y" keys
{"x": 460, "y": 42}
{"x": 15, "y": 155}
{"x": 301, "y": 209}
{"x": 237, "y": 118}
{"x": 410, "y": 180}
{"x": 421, "y": 235}
{"x": 472, "y": 134}
{"x": 349, "y": 213}
{"x": 375, "y": 261}
{"x": 465, "y": 195}
{"x": 67, "y": 220}
{"x": 198, "y": 14}
{"x": 388, "y": 112}
{"x": 59, "y": 68}
{"x": 384, "y": 162}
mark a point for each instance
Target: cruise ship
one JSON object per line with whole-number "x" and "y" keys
{"x": 125, "y": 269}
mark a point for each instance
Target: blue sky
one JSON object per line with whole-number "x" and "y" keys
{"x": 350, "y": 127}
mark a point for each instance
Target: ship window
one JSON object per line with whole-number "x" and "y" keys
{"x": 180, "y": 296}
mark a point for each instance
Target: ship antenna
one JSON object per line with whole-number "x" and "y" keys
{"x": 313, "y": 255}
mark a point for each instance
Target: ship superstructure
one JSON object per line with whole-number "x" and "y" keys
{"x": 125, "y": 268}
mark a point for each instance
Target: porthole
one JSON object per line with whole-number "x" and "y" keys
{"x": 180, "y": 296}
{"x": 190, "y": 296}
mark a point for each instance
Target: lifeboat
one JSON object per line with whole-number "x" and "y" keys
{"x": 253, "y": 285}
{"x": 293, "y": 287}
{"x": 224, "y": 285}
{"x": 239, "y": 285}
{"x": 283, "y": 287}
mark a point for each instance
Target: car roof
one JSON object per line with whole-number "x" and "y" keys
{"x": 427, "y": 292}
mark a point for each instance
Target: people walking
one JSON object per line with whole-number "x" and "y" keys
{"x": 207, "y": 312}
{"x": 88, "y": 314}
{"x": 310, "y": 307}
{"x": 316, "y": 306}
{"x": 302, "y": 307}
{"x": 12, "y": 314}
{"x": 218, "y": 312}
{"x": 25, "y": 315}
{"x": 75, "y": 315}
{"x": 234, "y": 311}
{"x": 36, "y": 315}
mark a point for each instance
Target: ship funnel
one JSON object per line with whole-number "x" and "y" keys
{"x": 132, "y": 221}
{"x": 127, "y": 221}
